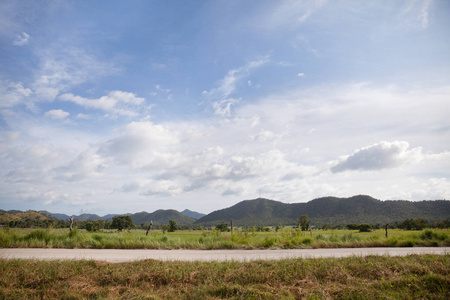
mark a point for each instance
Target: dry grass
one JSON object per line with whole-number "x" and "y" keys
{"x": 373, "y": 277}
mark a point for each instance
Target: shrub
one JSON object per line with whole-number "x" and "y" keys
{"x": 365, "y": 228}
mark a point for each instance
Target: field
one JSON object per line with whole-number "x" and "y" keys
{"x": 372, "y": 277}
{"x": 286, "y": 238}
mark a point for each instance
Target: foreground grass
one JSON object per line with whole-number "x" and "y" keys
{"x": 206, "y": 240}
{"x": 372, "y": 277}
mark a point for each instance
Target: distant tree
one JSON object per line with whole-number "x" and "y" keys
{"x": 223, "y": 227}
{"x": 90, "y": 226}
{"x": 304, "y": 222}
{"x": 411, "y": 224}
{"x": 101, "y": 224}
{"x": 122, "y": 222}
{"x": 172, "y": 226}
{"x": 365, "y": 228}
{"x": 352, "y": 226}
{"x": 327, "y": 226}
{"x": 164, "y": 228}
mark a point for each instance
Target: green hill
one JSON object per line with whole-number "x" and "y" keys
{"x": 162, "y": 217}
{"x": 327, "y": 210}
{"x": 29, "y": 218}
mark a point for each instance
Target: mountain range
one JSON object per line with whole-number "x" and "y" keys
{"x": 328, "y": 210}
{"x": 265, "y": 212}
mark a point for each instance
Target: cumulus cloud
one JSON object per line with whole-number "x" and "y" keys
{"x": 86, "y": 165}
{"x": 21, "y": 39}
{"x": 57, "y": 114}
{"x": 117, "y": 102}
{"x": 137, "y": 143}
{"x": 379, "y": 156}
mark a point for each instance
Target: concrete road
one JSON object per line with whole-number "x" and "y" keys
{"x": 117, "y": 255}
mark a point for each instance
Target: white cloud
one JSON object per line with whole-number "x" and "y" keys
{"x": 138, "y": 142}
{"x": 46, "y": 93}
{"x": 86, "y": 165}
{"x": 117, "y": 102}
{"x": 21, "y": 39}
{"x": 300, "y": 74}
{"x": 57, "y": 114}
{"x": 83, "y": 116}
{"x": 223, "y": 107}
{"x": 228, "y": 84}
{"x": 13, "y": 93}
{"x": 62, "y": 67}
{"x": 379, "y": 156}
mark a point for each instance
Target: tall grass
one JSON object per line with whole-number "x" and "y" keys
{"x": 285, "y": 239}
{"x": 372, "y": 277}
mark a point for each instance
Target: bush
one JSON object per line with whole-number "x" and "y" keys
{"x": 365, "y": 228}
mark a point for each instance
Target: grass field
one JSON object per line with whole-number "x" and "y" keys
{"x": 372, "y": 277}
{"x": 287, "y": 238}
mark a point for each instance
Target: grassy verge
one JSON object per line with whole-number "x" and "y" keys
{"x": 372, "y": 277}
{"x": 285, "y": 239}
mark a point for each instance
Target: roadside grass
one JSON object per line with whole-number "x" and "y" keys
{"x": 287, "y": 238}
{"x": 370, "y": 277}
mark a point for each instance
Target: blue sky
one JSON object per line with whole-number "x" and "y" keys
{"x": 125, "y": 106}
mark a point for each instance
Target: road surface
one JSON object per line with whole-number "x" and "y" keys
{"x": 119, "y": 255}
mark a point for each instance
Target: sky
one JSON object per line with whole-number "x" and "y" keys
{"x": 129, "y": 106}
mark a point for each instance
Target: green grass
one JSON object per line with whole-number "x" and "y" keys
{"x": 284, "y": 239}
{"x": 372, "y": 277}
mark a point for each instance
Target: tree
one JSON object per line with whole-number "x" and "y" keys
{"x": 172, "y": 226}
{"x": 223, "y": 227}
{"x": 304, "y": 222}
{"x": 122, "y": 222}
{"x": 365, "y": 228}
{"x": 91, "y": 226}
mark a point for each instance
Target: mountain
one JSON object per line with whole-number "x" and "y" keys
{"x": 85, "y": 217}
{"x": 192, "y": 214}
{"x": 327, "y": 210}
{"x": 55, "y": 215}
{"x": 162, "y": 217}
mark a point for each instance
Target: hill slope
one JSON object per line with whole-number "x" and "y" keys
{"x": 331, "y": 210}
{"x": 192, "y": 214}
{"x": 162, "y": 217}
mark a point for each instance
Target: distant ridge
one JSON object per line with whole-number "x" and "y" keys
{"x": 265, "y": 212}
{"x": 192, "y": 214}
{"x": 327, "y": 210}
{"x": 162, "y": 217}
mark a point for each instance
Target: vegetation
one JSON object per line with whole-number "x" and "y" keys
{"x": 222, "y": 227}
{"x": 172, "y": 226}
{"x": 251, "y": 238}
{"x": 304, "y": 222}
{"x": 122, "y": 222}
{"x": 372, "y": 277}
{"x": 328, "y": 210}
{"x": 365, "y": 228}
{"x": 326, "y": 213}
